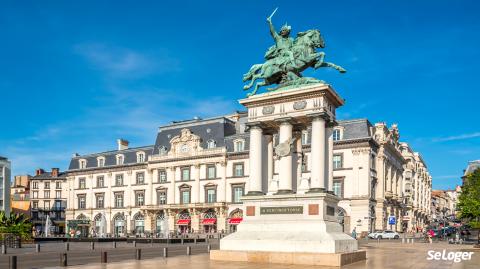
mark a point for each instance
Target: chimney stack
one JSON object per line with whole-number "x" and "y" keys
{"x": 39, "y": 171}
{"x": 55, "y": 172}
{"x": 122, "y": 144}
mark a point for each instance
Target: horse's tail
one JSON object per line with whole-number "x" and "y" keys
{"x": 253, "y": 70}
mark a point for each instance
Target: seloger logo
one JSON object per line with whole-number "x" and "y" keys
{"x": 450, "y": 256}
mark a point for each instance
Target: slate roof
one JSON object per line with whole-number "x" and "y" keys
{"x": 110, "y": 157}
{"x": 48, "y": 176}
{"x": 356, "y": 128}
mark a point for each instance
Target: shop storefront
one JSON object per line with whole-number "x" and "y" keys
{"x": 209, "y": 221}
{"x": 234, "y": 219}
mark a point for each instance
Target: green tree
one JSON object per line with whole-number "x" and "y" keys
{"x": 17, "y": 224}
{"x": 469, "y": 200}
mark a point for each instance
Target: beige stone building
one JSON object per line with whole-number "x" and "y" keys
{"x": 192, "y": 178}
{"x": 20, "y": 195}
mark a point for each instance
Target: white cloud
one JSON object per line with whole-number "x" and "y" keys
{"x": 456, "y": 137}
{"x": 123, "y": 62}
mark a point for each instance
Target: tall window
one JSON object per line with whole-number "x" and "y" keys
{"x": 337, "y": 161}
{"x": 237, "y": 192}
{"x": 46, "y": 204}
{"x": 101, "y": 162}
{"x": 35, "y": 185}
{"x": 211, "y": 195}
{"x": 46, "y": 194}
{"x": 58, "y": 185}
{"x": 304, "y": 138}
{"x": 162, "y": 197}
{"x": 58, "y": 194}
{"x": 211, "y": 144}
{"x": 185, "y": 173}
{"x": 162, "y": 176}
{"x": 47, "y": 185}
{"x": 139, "y": 198}
{"x": 185, "y": 196}
{"x": 35, "y": 194}
{"x": 119, "y": 180}
{"x": 140, "y": 178}
{"x": 100, "y": 200}
{"x": 35, "y": 205}
{"x": 337, "y": 135}
{"x": 100, "y": 182}
{"x": 211, "y": 171}
{"x": 338, "y": 188}
{"x": 81, "y": 202}
{"x": 239, "y": 145}
{"x": 238, "y": 170}
{"x": 118, "y": 200}
{"x": 81, "y": 183}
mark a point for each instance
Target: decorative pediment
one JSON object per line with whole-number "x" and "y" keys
{"x": 185, "y": 143}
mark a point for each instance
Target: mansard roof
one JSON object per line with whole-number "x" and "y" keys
{"x": 130, "y": 157}
{"x": 356, "y": 128}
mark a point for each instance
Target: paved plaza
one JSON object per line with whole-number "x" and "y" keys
{"x": 386, "y": 254}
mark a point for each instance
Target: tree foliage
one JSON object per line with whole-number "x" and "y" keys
{"x": 469, "y": 200}
{"x": 17, "y": 224}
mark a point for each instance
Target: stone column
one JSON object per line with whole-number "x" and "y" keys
{"x": 318, "y": 154}
{"x": 285, "y": 169}
{"x": 329, "y": 156}
{"x": 255, "y": 180}
{"x": 269, "y": 159}
{"x": 196, "y": 192}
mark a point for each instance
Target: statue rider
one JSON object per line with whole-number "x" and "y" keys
{"x": 283, "y": 43}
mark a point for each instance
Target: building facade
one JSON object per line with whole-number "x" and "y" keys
{"x": 48, "y": 193}
{"x": 20, "y": 195}
{"x": 417, "y": 189}
{"x": 192, "y": 178}
{"x": 5, "y": 174}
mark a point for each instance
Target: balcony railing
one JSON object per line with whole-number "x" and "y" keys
{"x": 62, "y": 208}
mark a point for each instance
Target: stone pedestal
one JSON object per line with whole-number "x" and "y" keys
{"x": 295, "y": 224}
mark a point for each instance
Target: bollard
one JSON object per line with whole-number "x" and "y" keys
{"x": 182, "y": 240}
{"x": 378, "y": 240}
{"x": 403, "y": 240}
{"x": 189, "y": 251}
{"x": 104, "y": 257}
{"x": 138, "y": 254}
{"x": 151, "y": 242}
{"x": 37, "y": 247}
{"x": 195, "y": 240}
{"x": 134, "y": 244}
{"x": 413, "y": 239}
{"x": 209, "y": 247}
{"x": 165, "y": 252}
{"x": 13, "y": 262}
{"x": 92, "y": 245}
{"x": 67, "y": 246}
{"x": 4, "y": 249}
{"x": 63, "y": 259}
{"x": 114, "y": 244}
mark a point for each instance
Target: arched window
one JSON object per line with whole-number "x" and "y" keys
{"x": 239, "y": 145}
{"x": 120, "y": 159}
{"x": 211, "y": 144}
{"x": 337, "y": 134}
{"x": 139, "y": 223}
{"x": 162, "y": 224}
{"x": 82, "y": 163}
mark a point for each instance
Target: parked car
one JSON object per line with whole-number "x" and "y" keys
{"x": 384, "y": 234}
{"x": 374, "y": 235}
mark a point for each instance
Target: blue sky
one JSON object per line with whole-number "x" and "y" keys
{"x": 76, "y": 76}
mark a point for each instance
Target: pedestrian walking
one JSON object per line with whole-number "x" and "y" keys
{"x": 354, "y": 233}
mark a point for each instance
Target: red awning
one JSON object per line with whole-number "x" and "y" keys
{"x": 183, "y": 221}
{"x": 235, "y": 220}
{"x": 209, "y": 221}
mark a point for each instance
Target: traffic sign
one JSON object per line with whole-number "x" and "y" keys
{"x": 392, "y": 220}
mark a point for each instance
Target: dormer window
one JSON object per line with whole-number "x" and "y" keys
{"x": 82, "y": 163}
{"x": 211, "y": 144}
{"x": 239, "y": 145}
{"x": 120, "y": 159}
{"x": 140, "y": 157}
{"x": 101, "y": 161}
{"x": 337, "y": 134}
